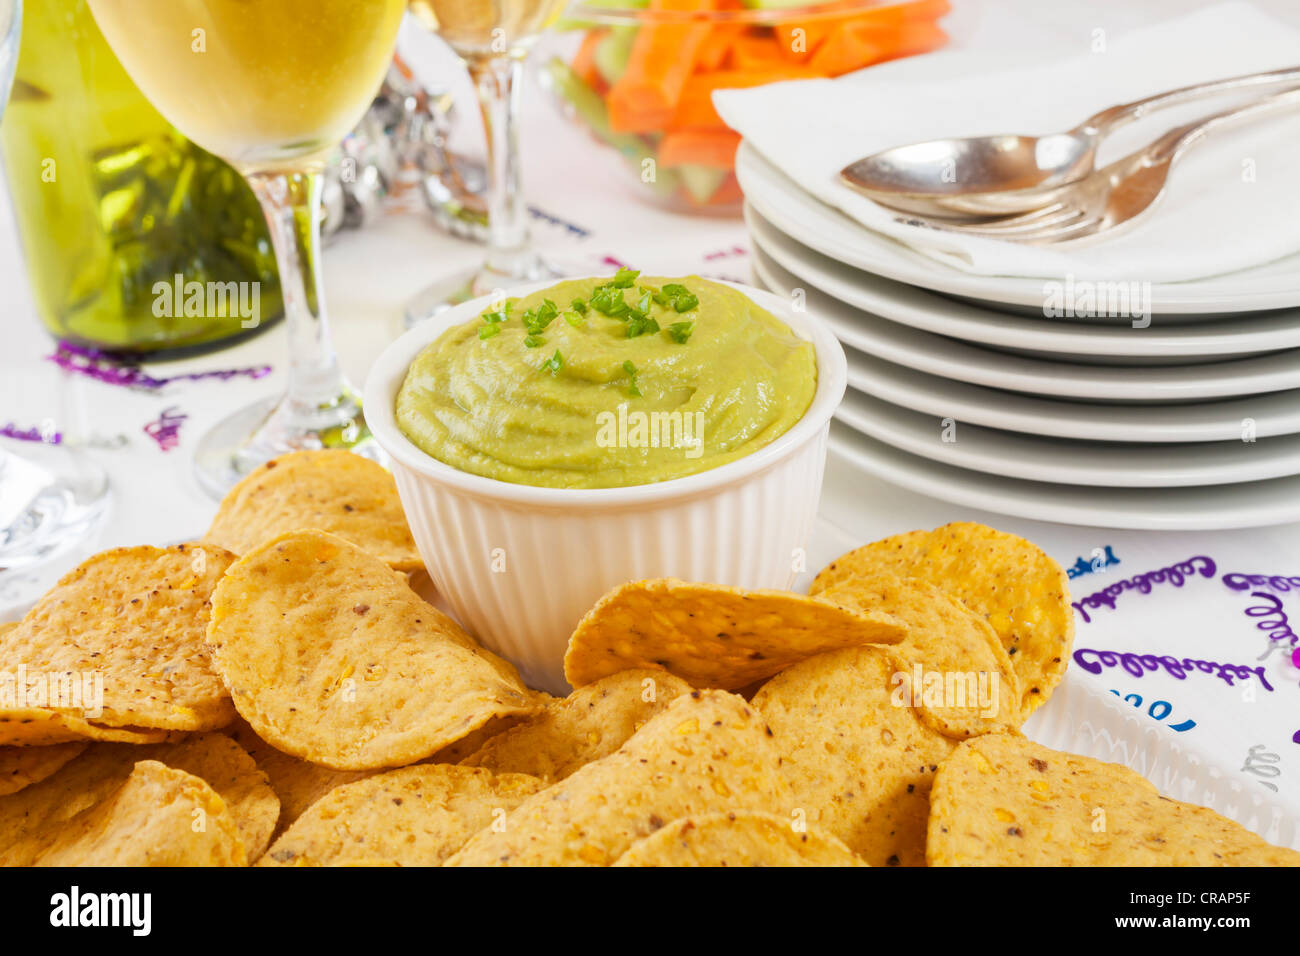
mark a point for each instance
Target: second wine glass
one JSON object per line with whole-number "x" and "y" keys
{"x": 492, "y": 39}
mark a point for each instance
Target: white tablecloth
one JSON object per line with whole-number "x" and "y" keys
{"x": 1242, "y": 737}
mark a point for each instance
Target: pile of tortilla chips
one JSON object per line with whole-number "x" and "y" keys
{"x": 278, "y": 695}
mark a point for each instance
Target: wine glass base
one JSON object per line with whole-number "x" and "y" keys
{"x": 470, "y": 284}
{"x": 48, "y": 505}
{"x": 253, "y": 435}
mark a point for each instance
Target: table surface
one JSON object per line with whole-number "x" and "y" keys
{"x": 1183, "y": 665}
{"x": 370, "y": 274}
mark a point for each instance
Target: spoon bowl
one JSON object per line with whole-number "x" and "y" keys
{"x": 978, "y": 164}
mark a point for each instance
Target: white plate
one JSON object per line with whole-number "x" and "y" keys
{"x": 1227, "y": 420}
{"x": 1272, "y": 286}
{"x": 1080, "y": 720}
{"x": 1246, "y": 505}
{"x": 1101, "y": 343}
{"x": 954, "y": 359}
{"x": 1068, "y": 462}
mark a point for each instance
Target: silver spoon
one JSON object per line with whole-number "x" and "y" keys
{"x": 1120, "y": 194}
{"x": 985, "y": 176}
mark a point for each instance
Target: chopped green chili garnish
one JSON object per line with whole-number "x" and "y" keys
{"x": 608, "y": 300}
{"x": 681, "y": 298}
{"x": 640, "y": 324}
{"x": 681, "y": 331}
{"x": 536, "y": 321}
{"x": 631, "y": 373}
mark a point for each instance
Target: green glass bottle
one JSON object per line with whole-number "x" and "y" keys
{"x": 117, "y": 211}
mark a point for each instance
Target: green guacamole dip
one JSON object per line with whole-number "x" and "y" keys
{"x": 602, "y": 383}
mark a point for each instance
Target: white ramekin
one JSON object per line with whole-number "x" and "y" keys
{"x": 519, "y": 565}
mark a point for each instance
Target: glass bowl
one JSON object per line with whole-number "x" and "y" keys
{"x": 642, "y": 78}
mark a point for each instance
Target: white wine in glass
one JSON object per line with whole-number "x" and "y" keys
{"x": 270, "y": 86}
{"x": 492, "y": 38}
{"x": 471, "y": 27}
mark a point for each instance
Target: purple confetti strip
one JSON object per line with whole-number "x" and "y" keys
{"x": 11, "y": 430}
{"x": 726, "y": 253}
{"x": 102, "y": 367}
{"x": 1176, "y": 574}
{"x": 1178, "y": 668}
{"x": 1273, "y": 617}
{"x": 1278, "y": 582}
{"x": 549, "y": 217}
{"x": 166, "y": 430}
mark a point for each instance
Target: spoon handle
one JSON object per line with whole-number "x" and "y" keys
{"x": 1108, "y": 120}
{"x": 1173, "y": 143}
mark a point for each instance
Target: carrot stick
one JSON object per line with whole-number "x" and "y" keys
{"x": 584, "y": 61}
{"x": 849, "y": 48}
{"x": 755, "y": 53}
{"x": 695, "y": 108}
{"x": 862, "y": 41}
{"x": 717, "y": 47}
{"x": 705, "y": 147}
{"x": 798, "y": 40}
{"x": 917, "y": 38}
{"x": 663, "y": 56}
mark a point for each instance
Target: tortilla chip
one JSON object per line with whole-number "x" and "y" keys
{"x": 589, "y": 724}
{"x": 471, "y": 743}
{"x": 959, "y": 676}
{"x": 23, "y": 766}
{"x": 1021, "y": 591}
{"x": 360, "y": 863}
{"x": 32, "y": 727}
{"x": 331, "y": 657}
{"x": 736, "y": 839}
{"x": 712, "y": 635}
{"x": 1003, "y": 800}
{"x": 231, "y": 771}
{"x": 131, "y": 621}
{"x": 708, "y": 751}
{"x": 416, "y": 816}
{"x": 156, "y": 817}
{"x": 297, "y": 783}
{"x": 860, "y": 763}
{"x": 329, "y": 489}
{"x": 102, "y": 768}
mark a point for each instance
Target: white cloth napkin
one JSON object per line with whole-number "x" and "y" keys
{"x": 1232, "y": 201}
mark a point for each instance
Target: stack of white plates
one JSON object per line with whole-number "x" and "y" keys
{"x": 960, "y": 387}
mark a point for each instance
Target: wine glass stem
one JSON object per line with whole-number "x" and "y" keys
{"x": 498, "y": 81}
{"x": 291, "y": 203}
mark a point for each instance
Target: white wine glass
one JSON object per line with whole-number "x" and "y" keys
{"x": 271, "y": 87}
{"x": 492, "y": 38}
